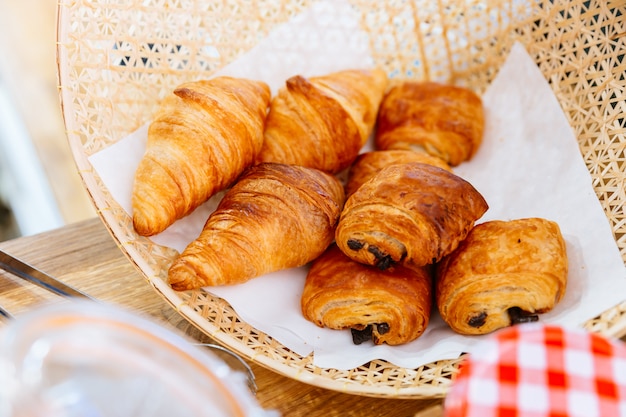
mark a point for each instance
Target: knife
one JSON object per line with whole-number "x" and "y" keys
{"x": 4, "y": 313}
{"x": 31, "y": 274}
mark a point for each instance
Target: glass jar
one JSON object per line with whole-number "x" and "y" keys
{"x": 90, "y": 359}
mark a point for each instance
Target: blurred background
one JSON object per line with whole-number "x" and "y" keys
{"x": 40, "y": 188}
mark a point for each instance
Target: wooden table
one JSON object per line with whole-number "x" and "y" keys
{"x": 85, "y": 256}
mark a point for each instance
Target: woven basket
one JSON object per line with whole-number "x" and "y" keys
{"x": 118, "y": 58}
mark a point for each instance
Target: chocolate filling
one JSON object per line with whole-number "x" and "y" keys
{"x": 366, "y": 334}
{"x": 479, "y": 320}
{"x": 383, "y": 261}
{"x": 360, "y": 336}
{"x": 355, "y": 244}
{"x": 519, "y": 316}
{"x": 382, "y": 328}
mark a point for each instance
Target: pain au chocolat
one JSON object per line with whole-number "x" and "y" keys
{"x": 444, "y": 120}
{"x": 391, "y": 306}
{"x": 503, "y": 273}
{"x": 411, "y": 213}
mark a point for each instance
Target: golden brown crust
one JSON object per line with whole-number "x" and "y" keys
{"x": 275, "y": 217}
{"x": 342, "y": 294}
{"x": 323, "y": 122}
{"x": 444, "y": 120}
{"x": 203, "y": 136}
{"x": 368, "y": 164}
{"x": 502, "y": 269}
{"x": 410, "y": 213}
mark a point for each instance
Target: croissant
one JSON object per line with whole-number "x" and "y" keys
{"x": 202, "y": 138}
{"x": 391, "y": 306}
{"x": 408, "y": 213}
{"x": 323, "y": 122}
{"x": 275, "y": 217}
{"x": 368, "y": 164}
{"x": 504, "y": 272}
{"x": 444, "y": 120}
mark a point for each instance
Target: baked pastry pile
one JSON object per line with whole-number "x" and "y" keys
{"x": 398, "y": 238}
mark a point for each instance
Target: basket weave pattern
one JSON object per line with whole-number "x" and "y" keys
{"x": 118, "y": 58}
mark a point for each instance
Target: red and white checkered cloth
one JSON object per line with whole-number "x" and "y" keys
{"x": 535, "y": 370}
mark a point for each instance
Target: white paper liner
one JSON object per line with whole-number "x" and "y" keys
{"x": 529, "y": 165}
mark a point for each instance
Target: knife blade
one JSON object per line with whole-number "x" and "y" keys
{"x": 4, "y": 313}
{"x": 33, "y": 275}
